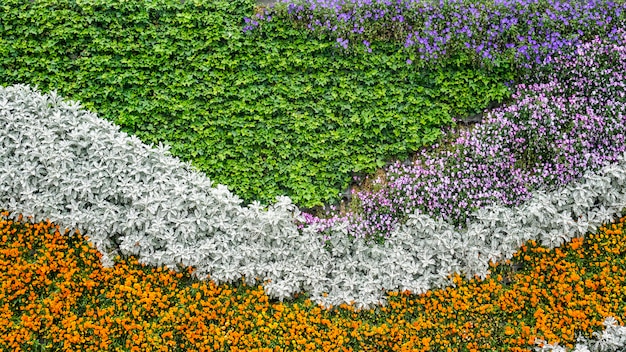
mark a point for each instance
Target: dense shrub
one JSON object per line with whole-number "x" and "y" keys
{"x": 279, "y": 113}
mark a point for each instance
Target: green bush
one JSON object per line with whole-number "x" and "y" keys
{"x": 271, "y": 113}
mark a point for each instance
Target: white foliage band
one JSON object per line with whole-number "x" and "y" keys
{"x": 65, "y": 164}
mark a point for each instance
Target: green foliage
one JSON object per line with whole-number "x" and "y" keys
{"x": 271, "y": 113}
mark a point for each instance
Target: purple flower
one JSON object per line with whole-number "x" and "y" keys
{"x": 545, "y": 25}
{"x": 562, "y": 122}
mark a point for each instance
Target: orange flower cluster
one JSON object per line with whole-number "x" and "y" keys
{"x": 55, "y": 295}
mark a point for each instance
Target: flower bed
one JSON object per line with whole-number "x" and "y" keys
{"x": 561, "y": 123}
{"x": 57, "y": 296}
{"x": 532, "y": 32}
{"x": 551, "y": 166}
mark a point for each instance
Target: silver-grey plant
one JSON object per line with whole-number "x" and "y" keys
{"x": 64, "y": 163}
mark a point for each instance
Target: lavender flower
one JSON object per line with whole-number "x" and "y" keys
{"x": 564, "y": 121}
{"x": 527, "y": 30}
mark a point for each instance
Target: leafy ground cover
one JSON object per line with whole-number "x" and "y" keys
{"x": 268, "y": 114}
{"x": 55, "y": 295}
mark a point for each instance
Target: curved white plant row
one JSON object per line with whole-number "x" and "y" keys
{"x": 65, "y": 164}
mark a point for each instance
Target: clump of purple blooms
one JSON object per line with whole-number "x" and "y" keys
{"x": 532, "y": 31}
{"x": 567, "y": 119}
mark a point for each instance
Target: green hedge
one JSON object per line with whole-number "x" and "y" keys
{"x": 274, "y": 112}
